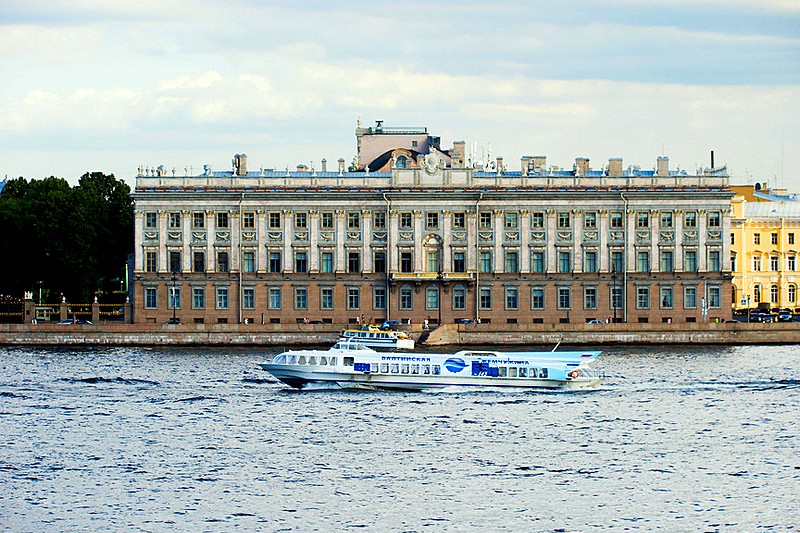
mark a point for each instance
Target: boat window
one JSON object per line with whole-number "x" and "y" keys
{"x": 426, "y": 369}
{"x": 323, "y": 360}
{"x": 502, "y": 371}
{"x": 348, "y": 361}
{"x": 291, "y": 360}
{"x": 437, "y": 369}
{"x": 279, "y": 359}
{"x": 395, "y": 368}
{"x": 523, "y": 372}
{"x": 385, "y": 368}
{"x": 542, "y": 372}
{"x": 302, "y": 360}
{"x": 512, "y": 371}
{"x": 373, "y": 367}
{"x": 415, "y": 369}
{"x": 332, "y": 361}
{"x": 404, "y": 368}
{"x": 312, "y": 360}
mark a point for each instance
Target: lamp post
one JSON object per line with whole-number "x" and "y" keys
{"x": 439, "y": 278}
{"x": 748, "y": 308}
{"x": 174, "y": 291}
{"x": 614, "y": 293}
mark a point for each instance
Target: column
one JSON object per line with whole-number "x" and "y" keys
{"x": 186, "y": 253}
{"x": 418, "y": 250}
{"x": 366, "y": 239}
{"x": 393, "y": 254}
{"x": 577, "y": 249}
{"x": 603, "y": 251}
{"x": 655, "y": 227}
{"x": 313, "y": 241}
{"x": 340, "y": 240}
{"x": 552, "y": 251}
{"x": 288, "y": 257}
{"x": 163, "y": 253}
{"x": 138, "y": 231}
{"x": 261, "y": 239}
{"x": 524, "y": 242}
{"x": 702, "y": 252}
{"x": 211, "y": 236}
{"x": 236, "y": 239}
{"x": 472, "y": 240}
{"x": 447, "y": 252}
{"x": 498, "y": 226}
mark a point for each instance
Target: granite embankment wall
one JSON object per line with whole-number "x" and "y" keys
{"x": 448, "y": 334}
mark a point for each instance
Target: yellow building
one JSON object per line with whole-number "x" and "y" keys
{"x": 764, "y": 250}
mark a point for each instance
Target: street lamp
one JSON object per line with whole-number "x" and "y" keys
{"x": 614, "y": 293}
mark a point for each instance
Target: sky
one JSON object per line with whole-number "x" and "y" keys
{"x": 92, "y": 85}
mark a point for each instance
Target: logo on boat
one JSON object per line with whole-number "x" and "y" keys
{"x": 455, "y": 365}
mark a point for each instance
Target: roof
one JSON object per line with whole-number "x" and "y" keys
{"x": 772, "y": 210}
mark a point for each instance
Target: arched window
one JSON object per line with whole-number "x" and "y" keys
{"x": 773, "y": 294}
{"x": 401, "y": 162}
{"x": 756, "y": 293}
{"x": 792, "y": 293}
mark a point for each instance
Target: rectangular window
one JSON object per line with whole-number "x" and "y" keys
{"x": 198, "y": 220}
{"x": 790, "y": 263}
{"x": 301, "y": 298}
{"x": 326, "y": 262}
{"x": 642, "y": 219}
{"x": 198, "y": 262}
{"x": 537, "y": 298}
{"x": 432, "y": 220}
{"x": 616, "y": 219}
{"x": 642, "y": 297}
{"x": 459, "y": 262}
{"x": 326, "y": 298}
{"x": 274, "y": 262}
{"x": 774, "y": 263}
{"x": 274, "y": 220}
{"x": 715, "y": 261}
{"x": 690, "y": 297}
{"x": 690, "y": 219}
{"x": 666, "y": 219}
{"x": 485, "y": 221}
{"x": 433, "y": 260}
{"x": 537, "y": 220}
{"x": 248, "y": 298}
{"x": 564, "y": 262}
{"x": 774, "y": 238}
{"x": 326, "y": 220}
{"x": 486, "y": 262}
{"x": 690, "y": 261}
{"x": 274, "y": 298}
{"x": 564, "y": 221}
{"x": 198, "y": 298}
{"x": 616, "y": 261}
{"x": 512, "y": 220}
{"x": 512, "y": 262}
{"x": 756, "y": 238}
{"x": 590, "y": 220}
{"x": 512, "y": 298}
{"x": 714, "y": 300}
{"x": 379, "y": 220}
{"x": 150, "y": 261}
{"x": 733, "y": 238}
{"x": 150, "y": 298}
{"x": 459, "y": 299}
{"x": 590, "y": 261}
{"x": 149, "y": 220}
{"x": 379, "y": 262}
{"x": 249, "y": 220}
{"x": 222, "y": 262}
{"x": 249, "y": 261}
{"x": 757, "y": 263}
{"x": 174, "y": 261}
{"x": 353, "y": 298}
{"x": 667, "y": 298}
{"x": 643, "y": 261}
{"x": 616, "y": 297}
{"x": 432, "y": 298}
{"x": 590, "y": 297}
{"x": 222, "y": 221}
{"x": 459, "y": 220}
{"x": 405, "y": 220}
{"x": 301, "y": 220}
{"x": 667, "y": 262}
{"x": 353, "y": 220}
{"x": 379, "y": 298}
{"x": 537, "y": 262}
{"x": 564, "y": 298}
{"x": 485, "y": 298}
{"x": 300, "y": 262}
{"x": 791, "y": 238}
{"x": 353, "y": 262}
{"x": 406, "y": 263}
{"x": 406, "y": 298}
{"x": 174, "y": 220}
{"x": 715, "y": 220}
{"x": 222, "y": 298}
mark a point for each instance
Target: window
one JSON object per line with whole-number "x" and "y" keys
{"x": 274, "y": 298}
{"x": 485, "y": 221}
{"x": 405, "y": 220}
{"x": 616, "y": 219}
{"x": 327, "y": 262}
{"x": 432, "y": 298}
{"x": 537, "y": 298}
{"x": 274, "y": 220}
{"x": 791, "y": 238}
{"x": 537, "y": 220}
{"x": 774, "y": 263}
{"x": 714, "y": 219}
{"x": 406, "y": 262}
{"x": 690, "y": 219}
{"x": 433, "y": 260}
{"x": 326, "y": 298}
{"x": 198, "y": 262}
{"x": 248, "y": 298}
{"x": 222, "y": 297}
{"x": 590, "y": 261}
{"x": 249, "y": 220}
{"x": 301, "y": 298}
{"x": 733, "y": 238}
{"x": 616, "y": 261}
{"x": 512, "y": 298}
{"x": 379, "y": 261}
{"x": 274, "y": 262}
{"x": 667, "y": 262}
{"x": 756, "y": 238}
{"x": 690, "y": 297}
{"x": 667, "y": 297}
{"x": 174, "y": 220}
{"x": 564, "y": 261}
{"x": 150, "y": 298}
{"x": 757, "y": 263}
{"x": 512, "y": 220}
{"x": 715, "y": 261}
{"x": 222, "y": 262}
{"x": 690, "y": 261}
{"x": 149, "y": 220}
{"x": 459, "y": 220}
{"x": 379, "y": 220}
{"x": 642, "y": 297}
{"x": 714, "y": 300}
{"x": 485, "y": 296}
{"x": 198, "y": 298}
{"x": 773, "y": 294}
{"x": 642, "y": 219}
{"x": 249, "y": 261}
{"x": 459, "y": 298}
{"x": 537, "y": 262}
{"x": 564, "y": 297}
{"x": 379, "y": 298}
{"x": 590, "y": 220}
{"x": 774, "y": 238}
{"x": 174, "y": 297}
{"x": 512, "y": 261}
{"x": 459, "y": 262}
{"x": 174, "y": 262}
{"x": 300, "y": 262}
{"x": 432, "y": 220}
{"x": 353, "y": 298}
{"x": 733, "y": 265}
{"x": 327, "y": 220}
{"x": 353, "y": 220}
{"x": 150, "y": 261}
{"x": 590, "y": 297}
{"x": 792, "y": 292}
{"x": 790, "y": 263}
{"x": 353, "y": 262}
{"x": 406, "y": 298}
{"x": 222, "y": 221}
{"x": 616, "y": 297}
{"x": 486, "y": 262}
{"x": 198, "y": 220}
{"x": 564, "y": 221}
{"x": 666, "y": 219}
{"x": 643, "y": 261}
{"x": 301, "y": 220}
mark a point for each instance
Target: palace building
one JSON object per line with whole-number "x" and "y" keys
{"x": 412, "y": 231}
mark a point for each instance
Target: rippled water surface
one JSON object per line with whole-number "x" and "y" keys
{"x": 136, "y": 439}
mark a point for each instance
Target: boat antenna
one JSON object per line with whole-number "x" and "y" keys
{"x": 556, "y": 346}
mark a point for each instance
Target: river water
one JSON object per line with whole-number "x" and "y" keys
{"x": 135, "y": 439}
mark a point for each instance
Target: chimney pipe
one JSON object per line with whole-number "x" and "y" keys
{"x": 712, "y": 159}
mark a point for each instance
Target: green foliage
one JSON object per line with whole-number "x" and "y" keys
{"x": 62, "y": 239}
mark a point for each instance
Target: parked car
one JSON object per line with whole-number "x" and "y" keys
{"x": 173, "y": 321}
{"x": 463, "y": 321}
{"x": 74, "y": 321}
{"x": 757, "y": 316}
{"x": 390, "y": 324}
{"x": 595, "y": 321}
{"x": 784, "y": 315}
